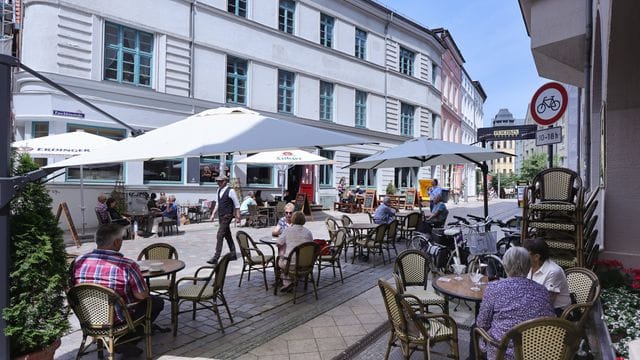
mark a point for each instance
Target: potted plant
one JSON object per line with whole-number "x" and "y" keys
{"x": 36, "y": 316}
{"x": 391, "y": 189}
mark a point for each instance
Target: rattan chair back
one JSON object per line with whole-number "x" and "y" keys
{"x": 158, "y": 251}
{"x": 413, "y": 268}
{"x": 392, "y": 231}
{"x": 543, "y": 338}
{"x": 245, "y": 243}
{"x": 394, "y": 309}
{"x": 95, "y": 307}
{"x": 302, "y": 259}
{"x": 339, "y": 242}
{"x": 413, "y": 220}
{"x": 557, "y": 184}
{"x": 584, "y": 284}
{"x": 379, "y": 234}
{"x": 332, "y": 227}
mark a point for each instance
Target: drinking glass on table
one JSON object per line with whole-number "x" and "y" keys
{"x": 475, "y": 278}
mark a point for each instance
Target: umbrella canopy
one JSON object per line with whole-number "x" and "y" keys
{"x": 214, "y": 132}
{"x": 286, "y": 157}
{"x": 67, "y": 144}
{"x": 426, "y": 152}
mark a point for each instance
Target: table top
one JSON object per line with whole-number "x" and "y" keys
{"x": 448, "y": 285}
{"x": 362, "y": 226}
{"x": 169, "y": 266}
{"x": 268, "y": 240}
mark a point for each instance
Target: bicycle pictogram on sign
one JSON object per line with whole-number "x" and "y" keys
{"x": 549, "y": 103}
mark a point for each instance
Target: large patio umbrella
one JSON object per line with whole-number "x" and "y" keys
{"x": 423, "y": 151}
{"x": 214, "y": 132}
{"x": 67, "y": 144}
{"x": 284, "y": 159}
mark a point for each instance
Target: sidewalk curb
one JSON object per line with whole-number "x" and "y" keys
{"x": 363, "y": 343}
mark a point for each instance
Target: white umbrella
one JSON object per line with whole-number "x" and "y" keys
{"x": 215, "y": 132}
{"x": 67, "y": 144}
{"x": 285, "y": 159}
{"x": 423, "y": 151}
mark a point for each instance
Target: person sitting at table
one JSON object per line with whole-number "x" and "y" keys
{"x": 258, "y": 198}
{"x": 510, "y": 301}
{"x": 107, "y": 267}
{"x": 438, "y": 216}
{"x": 288, "y": 196}
{"x": 115, "y": 215}
{"x": 296, "y": 234}
{"x": 250, "y": 199}
{"x": 170, "y": 212}
{"x": 358, "y": 191}
{"x": 285, "y": 221}
{"x": 546, "y": 272}
{"x": 102, "y": 210}
{"x": 384, "y": 214}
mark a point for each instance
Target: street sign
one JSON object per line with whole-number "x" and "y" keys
{"x": 549, "y": 103}
{"x": 498, "y": 133}
{"x": 548, "y": 136}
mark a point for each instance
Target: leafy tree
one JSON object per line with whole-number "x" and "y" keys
{"x": 36, "y": 315}
{"x": 532, "y": 166}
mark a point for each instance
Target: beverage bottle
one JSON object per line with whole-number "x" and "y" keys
{"x": 135, "y": 229}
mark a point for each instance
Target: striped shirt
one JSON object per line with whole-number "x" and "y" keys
{"x": 111, "y": 269}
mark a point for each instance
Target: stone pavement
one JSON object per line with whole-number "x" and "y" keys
{"x": 346, "y": 318}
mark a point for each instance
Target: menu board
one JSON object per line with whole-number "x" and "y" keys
{"x": 67, "y": 215}
{"x": 410, "y": 196}
{"x": 369, "y": 201}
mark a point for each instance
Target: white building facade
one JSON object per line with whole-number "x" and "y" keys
{"x": 352, "y": 66}
{"x": 472, "y": 105}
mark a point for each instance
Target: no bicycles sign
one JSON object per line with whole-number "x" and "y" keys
{"x": 549, "y": 103}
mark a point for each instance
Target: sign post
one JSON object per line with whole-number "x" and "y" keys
{"x": 548, "y": 105}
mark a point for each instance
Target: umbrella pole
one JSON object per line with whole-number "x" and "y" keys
{"x": 485, "y": 172}
{"x": 82, "y": 196}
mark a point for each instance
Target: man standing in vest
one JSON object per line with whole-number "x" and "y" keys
{"x": 227, "y": 207}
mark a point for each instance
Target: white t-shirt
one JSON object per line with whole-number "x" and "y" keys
{"x": 554, "y": 279}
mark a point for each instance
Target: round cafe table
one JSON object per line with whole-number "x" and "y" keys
{"x": 460, "y": 289}
{"x": 169, "y": 267}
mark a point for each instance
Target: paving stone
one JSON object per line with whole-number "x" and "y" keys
{"x": 331, "y": 343}
{"x": 352, "y": 330}
{"x": 302, "y": 346}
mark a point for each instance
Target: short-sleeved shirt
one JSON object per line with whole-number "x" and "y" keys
{"x": 103, "y": 212}
{"x": 434, "y": 191}
{"x": 507, "y": 303}
{"x": 442, "y": 211}
{"x": 551, "y": 276}
{"x": 292, "y": 237}
{"x": 384, "y": 214}
{"x": 171, "y": 211}
{"x": 284, "y": 225}
{"x": 244, "y": 207}
{"x": 110, "y": 269}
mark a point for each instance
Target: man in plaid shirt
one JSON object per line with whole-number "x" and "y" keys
{"x": 107, "y": 267}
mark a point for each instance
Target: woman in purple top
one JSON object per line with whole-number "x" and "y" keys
{"x": 508, "y": 302}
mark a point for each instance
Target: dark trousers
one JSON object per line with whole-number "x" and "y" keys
{"x": 224, "y": 232}
{"x": 157, "y": 304}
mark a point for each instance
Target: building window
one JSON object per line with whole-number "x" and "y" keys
{"x": 210, "y": 168}
{"x": 361, "y": 44}
{"x": 361, "y": 109}
{"x": 259, "y": 175}
{"x": 406, "y": 61}
{"x": 286, "y": 81}
{"x": 406, "y": 120}
{"x": 285, "y": 15}
{"x": 404, "y": 178}
{"x": 102, "y": 172}
{"x": 361, "y": 177}
{"x": 39, "y": 129}
{"x": 238, "y": 7}
{"x": 236, "y": 80}
{"x": 326, "y": 30}
{"x": 163, "y": 171}
{"x": 127, "y": 55}
{"x": 326, "y": 171}
{"x": 326, "y": 101}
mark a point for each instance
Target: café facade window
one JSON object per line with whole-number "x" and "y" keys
{"x": 128, "y": 54}
{"x": 163, "y": 171}
{"x": 210, "y": 168}
{"x": 326, "y": 171}
{"x": 404, "y": 177}
{"x": 259, "y": 175}
{"x": 364, "y": 178}
{"x": 100, "y": 172}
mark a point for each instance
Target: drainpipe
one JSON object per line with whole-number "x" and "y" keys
{"x": 192, "y": 50}
{"x": 386, "y": 71}
{"x": 587, "y": 96}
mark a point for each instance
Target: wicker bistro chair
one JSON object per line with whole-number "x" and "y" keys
{"x": 412, "y": 268}
{"x": 206, "y": 290}
{"x": 546, "y": 338}
{"x": 298, "y": 266}
{"x": 332, "y": 227}
{"x": 351, "y": 235}
{"x": 584, "y": 287}
{"x": 163, "y": 286}
{"x": 253, "y": 258}
{"x": 333, "y": 260}
{"x": 373, "y": 242}
{"x": 257, "y": 219}
{"x": 95, "y": 306}
{"x": 390, "y": 240}
{"x": 415, "y": 330}
{"x": 411, "y": 224}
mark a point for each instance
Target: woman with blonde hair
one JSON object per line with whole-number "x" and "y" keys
{"x": 296, "y": 234}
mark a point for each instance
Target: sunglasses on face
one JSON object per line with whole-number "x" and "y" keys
{"x": 288, "y": 212}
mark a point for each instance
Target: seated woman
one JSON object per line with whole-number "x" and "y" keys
{"x": 438, "y": 215}
{"x": 546, "y": 272}
{"x": 102, "y": 210}
{"x": 284, "y": 222}
{"x": 170, "y": 212}
{"x": 115, "y": 215}
{"x": 510, "y": 301}
{"x": 295, "y": 235}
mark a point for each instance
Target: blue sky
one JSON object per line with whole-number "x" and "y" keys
{"x": 493, "y": 40}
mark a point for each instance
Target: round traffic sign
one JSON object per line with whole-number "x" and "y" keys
{"x": 549, "y": 103}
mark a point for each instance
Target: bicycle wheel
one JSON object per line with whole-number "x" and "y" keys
{"x": 492, "y": 265}
{"x": 541, "y": 108}
{"x": 418, "y": 242}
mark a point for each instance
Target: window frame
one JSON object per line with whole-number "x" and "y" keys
{"x": 325, "y": 172}
{"x": 327, "y": 24}
{"x": 235, "y": 7}
{"x": 286, "y": 16}
{"x": 406, "y": 174}
{"x": 369, "y": 175}
{"x": 182, "y": 163}
{"x": 326, "y": 101}
{"x": 121, "y": 50}
{"x": 286, "y": 93}
{"x": 406, "y": 61}
{"x": 360, "y": 44}
{"x": 214, "y": 163}
{"x": 95, "y": 130}
{"x": 33, "y": 130}
{"x": 406, "y": 119}
{"x": 240, "y": 81}
{"x": 361, "y": 109}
